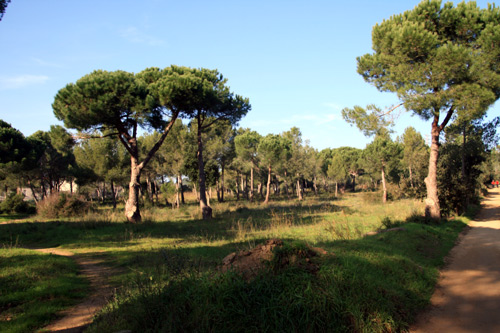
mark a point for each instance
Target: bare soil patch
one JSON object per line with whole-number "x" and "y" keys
{"x": 250, "y": 263}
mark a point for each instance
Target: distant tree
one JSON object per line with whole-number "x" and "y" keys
{"x": 350, "y": 157}
{"x": 120, "y": 102}
{"x": 272, "y": 150}
{"x": 439, "y": 60}
{"x": 207, "y": 99}
{"x": 338, "y": 170}
{"x": 100, "y": 161}
{"x": 415, "y": 155}
{"x": 378, "y": 154}
{"x": 246, "y": 145}
{"x": 295, "y": 164}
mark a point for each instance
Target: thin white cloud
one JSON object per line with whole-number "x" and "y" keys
{"x": 333, "y": 106}
{"x": 132, "y": 34}
{"x": 20, "y": 81}
{"x": 47, "y": 63}
{"x": 317, "y": 119}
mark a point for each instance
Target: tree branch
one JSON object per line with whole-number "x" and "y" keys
{"x": 159, "y": 142}
{"x": 86, "y": 137}
{"x": 447, "y": 118}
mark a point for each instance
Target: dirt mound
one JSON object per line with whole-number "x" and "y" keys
{"x": 273, "y": 254}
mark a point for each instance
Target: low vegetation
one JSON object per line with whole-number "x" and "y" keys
{"x": 170, "y": 279}
{"x": 34, "y": 287}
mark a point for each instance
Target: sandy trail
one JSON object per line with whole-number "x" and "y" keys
{"x": 467, "y": 297}
{"x": 77, "y": 318}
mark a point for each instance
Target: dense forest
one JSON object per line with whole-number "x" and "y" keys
{"x": 244, "y": 165}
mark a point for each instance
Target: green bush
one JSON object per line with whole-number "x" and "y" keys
{"x": 14, "y": 203}
{"x": 63, "y": 205}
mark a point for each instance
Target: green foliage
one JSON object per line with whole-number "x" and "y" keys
{"x": 14, "y": 203}
{"x": 372, "y": 284}
{"x": 436, "y": 58}
{"x": 3, "y": 6}
{"x": 63, "y": 205}
{"x": 459, "y": 176}
{"x": 371, "y": 121}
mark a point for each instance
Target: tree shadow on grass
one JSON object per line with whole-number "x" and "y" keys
{"x": 368, "y": 284}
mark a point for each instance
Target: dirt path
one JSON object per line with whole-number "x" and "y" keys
{"x": 467, "y": 298}
{"x": 80, "y": 316}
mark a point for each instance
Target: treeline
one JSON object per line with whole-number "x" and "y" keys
{"x": 248, "y": 166}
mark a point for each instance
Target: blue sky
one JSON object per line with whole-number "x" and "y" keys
{"x": 294, "y": 60}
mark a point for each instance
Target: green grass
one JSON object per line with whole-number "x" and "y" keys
{"x": 168, "y": 278}
{"x": 34, "y": 287}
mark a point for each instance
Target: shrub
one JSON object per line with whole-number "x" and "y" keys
{"x": 63, "y": 205}
{"x": 14, "y": 203}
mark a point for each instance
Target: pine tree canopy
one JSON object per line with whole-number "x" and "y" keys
{"x": 438, "y": 58}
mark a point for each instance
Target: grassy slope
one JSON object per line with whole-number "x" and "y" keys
{"x": 373, "y": 283}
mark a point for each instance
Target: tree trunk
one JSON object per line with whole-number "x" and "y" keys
{"x": 315, "y": 186}
{"x": 259, "y": 189}
{"x": 237, "y": 186}
{"x": 286, "y": 186}
{"x": 299, "y": 190}
{"x": 222, "y": 183}
{"x": 196, "y": 193}
{"x": 432, "y": 208}
{"x": 411, "y": 176}
{"x": 336, "y": 189}
{"x": 177, "y": 193}
{"x": 384, "y": 188}
{"x": 206, "y": 210}
{"x": 132, "y": 206}
{"x": 251, "y": 184}
{"x": 179, "y": 181}
{"x": 113, "y": 194}
{"x": 268, "y": 185}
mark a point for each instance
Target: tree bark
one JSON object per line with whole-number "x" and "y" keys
{"x": 336, "y": 189}
{"x": 432, "y": 208}
{"x": 299, "y": 190}
{"x": 206, "y": 210}
{"x": 222, "y": 183}
{"x": 179, "y": 181}
{"x": 384, "y": 187}
{"x": 132, "y": 211}
{"x": 268, "y": 185}
{"x": 177, "y": 194}
{"x": 113, "y": 194}
{"x": 251, "y": 184}
{"x": 237, "y": 186}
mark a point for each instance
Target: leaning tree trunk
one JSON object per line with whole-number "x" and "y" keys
{"x": 268, "y": 185}
{"x": 206, "y": 210}
{"x": 432, "y": 208}
{"x": 132, "y": 206}
{"x": 384, "y": 187}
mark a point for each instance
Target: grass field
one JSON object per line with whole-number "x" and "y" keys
{"x": 169, "y": 280}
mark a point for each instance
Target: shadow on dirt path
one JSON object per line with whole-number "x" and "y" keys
{"x": 77, "y": 318}
{"x": 467, "y": 297}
